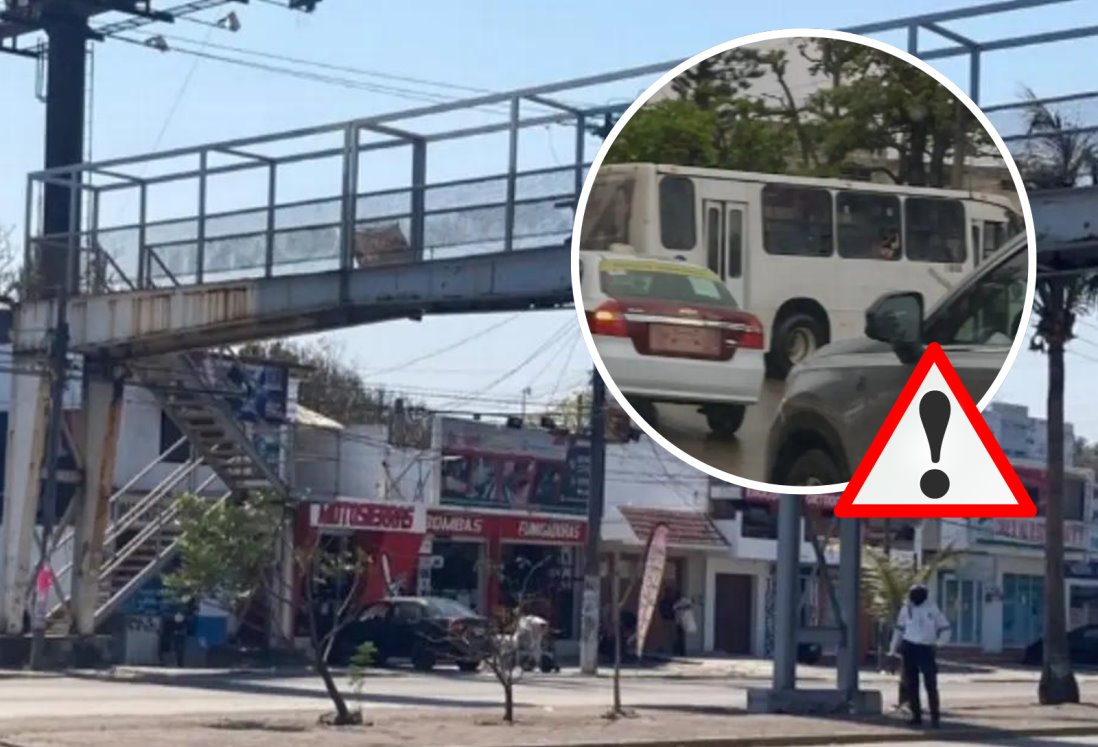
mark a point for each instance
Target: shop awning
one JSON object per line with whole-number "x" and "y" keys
{"x": 691, "y": 529}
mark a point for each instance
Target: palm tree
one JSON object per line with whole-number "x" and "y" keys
{"x": 885, "y": 583}
{"x": 1057, "y": 156}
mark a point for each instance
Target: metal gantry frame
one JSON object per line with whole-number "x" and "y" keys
{"x": 127, "y": 173}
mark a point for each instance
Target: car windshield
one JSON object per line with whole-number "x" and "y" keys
{"x": 988, "y": 312}
{"x": 448, "y": 608}
{"x": 620, "y": 279}
{"x": 606, "y": 217}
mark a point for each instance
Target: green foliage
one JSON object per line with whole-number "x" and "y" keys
{"x": 886, "y": 581}
{"x": 225, "y": 549}
{"x": 362, "y": 659}
{"x": 740, "y": 110}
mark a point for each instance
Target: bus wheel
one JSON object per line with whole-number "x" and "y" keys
{"x": 646, "y": 408}
{"x": 796, "y": 338}
{"x": 724, "y": 420}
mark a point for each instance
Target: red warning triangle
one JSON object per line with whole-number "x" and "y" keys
{"x": 903, "y": 475}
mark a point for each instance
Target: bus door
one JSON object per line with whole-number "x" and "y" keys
{"x": 724, "y": 232}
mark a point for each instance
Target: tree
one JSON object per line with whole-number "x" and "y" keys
{"x": 11, "y": 271}
{"x": 225, "y": 554}
{"x": 885, "y": 584}
{"x": 743, "y": 110}
{"x": 1054, "y": 158}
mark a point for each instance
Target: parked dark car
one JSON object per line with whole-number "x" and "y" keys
{"x": 427, "y": 630}
{"x": 1082, "y": 647}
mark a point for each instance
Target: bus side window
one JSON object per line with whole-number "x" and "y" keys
{"x": 797, "y": 221}
{"x": 735, "y": 243}
{"x": 995, "y": 235}
{"x": 713, "y": 239}
{"x": 869, "y": 226}
{"x": 935, "y": 230}
{"x": 677, "y": 216}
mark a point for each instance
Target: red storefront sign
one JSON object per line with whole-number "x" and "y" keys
{"x": 507, "y": 528}
{"x": 823, "y": 500}
{"x": 381, "y": 517}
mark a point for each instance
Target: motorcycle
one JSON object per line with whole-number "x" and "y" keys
{"x": 533, "y": 645}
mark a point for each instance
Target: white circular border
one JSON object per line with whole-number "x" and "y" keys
{"x": 581, "y": 208}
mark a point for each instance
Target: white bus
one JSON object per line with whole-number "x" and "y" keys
{"x": 807, "y": 256}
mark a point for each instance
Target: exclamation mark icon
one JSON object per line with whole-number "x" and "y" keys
{"x": 934, "y": 410}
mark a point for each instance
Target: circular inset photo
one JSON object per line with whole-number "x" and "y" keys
{"x": 771, "y": 236}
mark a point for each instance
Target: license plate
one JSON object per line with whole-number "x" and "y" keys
{"x": 670, "y": 338}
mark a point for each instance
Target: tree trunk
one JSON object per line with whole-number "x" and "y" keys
{"x": 1057, "y": 683}
{"x": 343, "y": 716}
{"x": 509, "y": 702}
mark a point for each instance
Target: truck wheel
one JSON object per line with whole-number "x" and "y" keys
{"x": 646, "y": 408}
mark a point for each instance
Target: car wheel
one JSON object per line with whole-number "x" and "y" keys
{"x": 423, "y": 659}
{"x": 813, "y": 467}
{"x": 796, "y": 338}
{"x": 724, "y": 420}
{"x": 646, "y": 408}
{"x": 469, "y": 666}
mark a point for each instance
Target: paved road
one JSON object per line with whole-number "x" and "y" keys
{"x": 184, "y": 693}
{"x": 1023, "y": 742}
{"x": 744, "y": 455}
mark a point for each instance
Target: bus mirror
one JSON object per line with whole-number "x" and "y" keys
{"x": 896, "y": 318}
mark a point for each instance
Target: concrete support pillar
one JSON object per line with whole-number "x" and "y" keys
{"x": 22, "y": 488}
{"x": 280, "y": 599}
{"x": 787, "y": 592}
{"x": 850, "y": 562}
{"x": 102, "y": 423}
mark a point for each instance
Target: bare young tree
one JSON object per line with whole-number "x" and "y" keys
{"x": 226, "y": 553}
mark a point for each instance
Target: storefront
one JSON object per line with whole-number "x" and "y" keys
{"x": 1082, "y": 594}
{"x": 389, "y": 532}
{"x": 494, "y": 562}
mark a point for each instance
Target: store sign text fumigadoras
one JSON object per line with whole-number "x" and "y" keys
{"x": 550, "y": 530}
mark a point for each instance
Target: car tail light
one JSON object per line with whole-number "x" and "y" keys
{"x": 752, "y": 338}
{"x": 608, "y": 320}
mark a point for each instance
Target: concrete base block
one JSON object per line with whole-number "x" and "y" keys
{"x": 813, "y": 702}
{"x": 59, "y": 652}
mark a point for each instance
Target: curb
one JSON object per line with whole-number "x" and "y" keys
{"x": 967, "y": 734}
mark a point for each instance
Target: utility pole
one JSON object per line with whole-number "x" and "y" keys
{"x": 589, "y": 632}
{"x": 58, "y": 258}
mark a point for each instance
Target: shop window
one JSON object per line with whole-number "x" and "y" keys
{"x": 540, "y": 580}
{"x": 963, "y": 604}
{"x": 869, "y": 226}
{"x": 759, "y": 522}
{"x": 677, "y": 223}
{"x": 1023, "y": 609}
{"x": 797, "y": 221}
{"x": 722, "y": 510}
{"x": 1074, "y": 499}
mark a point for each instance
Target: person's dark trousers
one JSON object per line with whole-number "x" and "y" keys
{"x": 180, "y": 650}
{"x": 920, "y": 660}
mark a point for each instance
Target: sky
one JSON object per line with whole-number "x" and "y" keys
{"x": 146, "y": 100}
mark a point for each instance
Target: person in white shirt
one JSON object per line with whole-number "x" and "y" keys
{"x": 920, "y": 627}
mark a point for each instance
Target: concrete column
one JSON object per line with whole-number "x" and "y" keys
{"x": 22, "y": 487}
{"x": 280, "y": 600}
{"x": 850, "y": 561}
{"x": 787, "y": 592}
{"x": 102, "y": 423}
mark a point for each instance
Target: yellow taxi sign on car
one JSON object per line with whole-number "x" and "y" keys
{"x": 640, "y": 265}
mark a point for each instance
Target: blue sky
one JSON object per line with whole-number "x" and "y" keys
{"x": 147, "y": 100}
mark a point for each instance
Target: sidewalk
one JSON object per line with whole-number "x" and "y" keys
{"x": 564, "y": 728}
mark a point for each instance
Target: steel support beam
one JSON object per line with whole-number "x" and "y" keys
{"x": 787, "y": 592}
{"x": 102, "y": 423}
{"x": 850, "y": 561}
{"x": 22, "y": 478}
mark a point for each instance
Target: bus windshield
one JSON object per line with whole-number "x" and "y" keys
{"x": 606, "y": 219}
